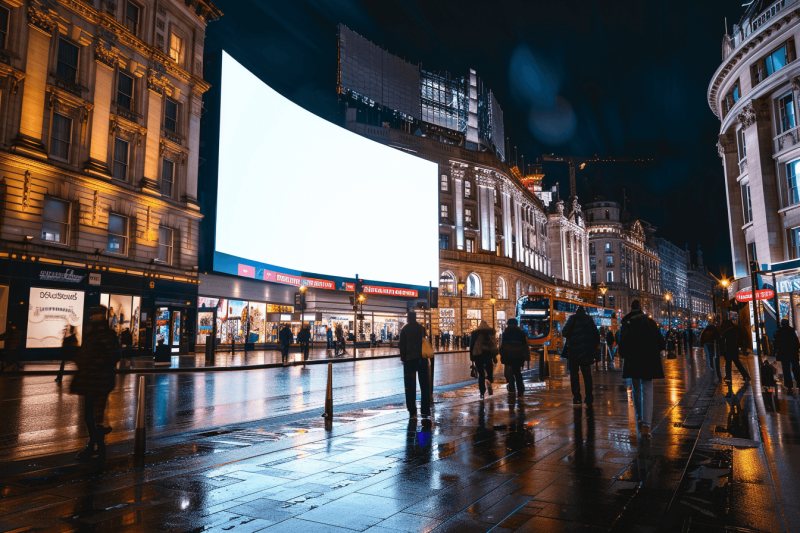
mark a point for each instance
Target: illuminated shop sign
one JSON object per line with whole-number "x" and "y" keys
{"x": 53, "y": 314}
{"x": 68, "y": 277}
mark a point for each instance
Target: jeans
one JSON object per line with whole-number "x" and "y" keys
{"x": 417, "y": 368}
{"x": 485, "y": 368}
{"x": 304, "y": 350}
{"x": 711, "y": 355}
{"x": 330, "y": 344}
{"x": 643, "y": 400}
{"x": 284, "y": 352}
{"x": 513, "y": 375}
{"x": 789, "y": 368}
{"x": 739, "y": 366}
{"x": 575, "y": 382}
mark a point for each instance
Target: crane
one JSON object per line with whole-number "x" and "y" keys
{"x": 580, "y": 162}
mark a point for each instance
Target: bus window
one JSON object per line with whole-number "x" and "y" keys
{"x": 533, "y": 313}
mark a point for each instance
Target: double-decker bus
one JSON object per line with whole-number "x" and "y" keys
{"x": 542, "y": 317}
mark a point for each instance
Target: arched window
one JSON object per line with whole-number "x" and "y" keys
{"x": 501, "y": 290}
{"x": 519, "y": 290}
{"x": 474, "y": 289}
{"x": 447, "y": 284}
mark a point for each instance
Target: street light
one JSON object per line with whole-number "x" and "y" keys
{"x": 361, "y": 300}
{"x": 461, "y": 296}
{"x": 302, "y": 311}
{"x": 493, "y": 300}
{"x": 668, "y": 297}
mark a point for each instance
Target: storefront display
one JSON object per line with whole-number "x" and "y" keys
{"x": 256, "y": 328}
{"x": 123, "y": 313}
{"x": 447, "y": 320}
{"x": 51, "y": 314}
{"x": 473, "y": 319}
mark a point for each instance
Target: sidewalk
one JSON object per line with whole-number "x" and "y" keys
{"x": 526, "y": 463}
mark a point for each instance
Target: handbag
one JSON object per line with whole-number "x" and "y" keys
{"x": 427, "y": 349}
{"x": 472, "y": 371}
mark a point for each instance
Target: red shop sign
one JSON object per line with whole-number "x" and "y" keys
{"x": 761, "y": 294}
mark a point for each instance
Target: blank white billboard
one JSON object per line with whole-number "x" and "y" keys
{"x": 298, "y": 192}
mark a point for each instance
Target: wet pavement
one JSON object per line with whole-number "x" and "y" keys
{"x": 529, "y": 462}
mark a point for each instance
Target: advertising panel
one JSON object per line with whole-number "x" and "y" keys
{"x": 51, "y": 312}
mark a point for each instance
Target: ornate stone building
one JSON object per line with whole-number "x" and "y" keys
{"x": 569, "y": 243}
{"x": 100, "y": 111}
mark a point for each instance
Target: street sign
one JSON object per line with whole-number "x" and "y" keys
{"x": 762, "y": 294}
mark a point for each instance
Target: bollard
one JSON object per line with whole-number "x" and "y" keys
{"x": 329, "y": 394}
{"x": 139, "y": 445}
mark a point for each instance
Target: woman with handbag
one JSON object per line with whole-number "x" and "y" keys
{"x": 514, "y": 352}
{"x": 483, "y": 353}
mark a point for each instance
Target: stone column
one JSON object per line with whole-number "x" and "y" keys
{"x": 106, "y": 59}
{"x": 156, "y": 86}
{"x": 506, "y": 202}
{"x": 193, "y": 133}
{"x": 727, "y": 150}
{"x": 40, "y": 29}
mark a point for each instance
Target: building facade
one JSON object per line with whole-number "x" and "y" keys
{"x": 100, "y": 115}
{"x": 701, "y": 287}
{"x": 675, "y": 265}
{"x": 623, "y": 258}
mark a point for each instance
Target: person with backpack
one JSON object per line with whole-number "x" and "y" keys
{"x": 415, "y": 367}
{"x": 787, "y": 351}
{"x": 583, "y": 342}
{"x": 640, "y": 347}
{"x": 483, "y": 353}
{"x": 732, "y": 341}
{"x": 514, "y": 352}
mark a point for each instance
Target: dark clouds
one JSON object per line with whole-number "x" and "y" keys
{"x": 618, "y": 78}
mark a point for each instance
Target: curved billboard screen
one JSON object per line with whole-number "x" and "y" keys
{"x": 303, "y": 201}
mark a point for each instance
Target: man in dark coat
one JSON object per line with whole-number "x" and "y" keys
{"x": 640, "y": 346}
{"x": 483, "y": 354}
{"x": 285, "y": 339}
{"x": 95, "y": 378}
{"x": 787, "y": 351}
{"x": 709, "y": 338}
{"x": 610, "y": 343}
{"x": 514, "y": 352}
{"x": 583, "y": 342}
{"x": 732, "y": 340}
{"x": 415, "y": 367}
{"x": 304, "y": 339}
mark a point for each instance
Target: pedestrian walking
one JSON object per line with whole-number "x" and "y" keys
{"x": 285, "y": 339}
{"x": 483, "y": 354}
{"x": 304, "y": 339}
{"x": 514, "y": 353}
{"x": 9, "y": 359}
{"x": 610, "y": 344}
{"x": 329, "y": 338}
{"x": 95, "y": 379}
{"x": 641, "y": 345}
{"x": 671, "y": 343}
{"x": 687, "y": 344}
{"x": 732, "y": 341}
{"x": 415, "y": 368}
{"x": 709, "y": 339}
{"x": 69, "y": 349}
{"x": 583, "y": 342}
{"x": 787, "y": 351}
{"x": 340, "y": 342}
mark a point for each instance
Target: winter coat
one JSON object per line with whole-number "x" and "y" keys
{"x": 583, "y": 339}
{"x": 285, "y": 336}
{"x": 640, "y": 346}
{"x": 731, "y": 340}
{"x": 304, "y": 336}
{"x": 97, "y": 360}
{"x": 787, "y": 346}
{"x": 329, "y": 334}
{"x": 514, "y": 349}
{"x": 411, "y": 341}
{"x": 609, "y": 338}
{"x": 709, "y": 335}
{"x": 482, "y": 343}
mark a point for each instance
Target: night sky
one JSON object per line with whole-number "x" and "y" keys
{"x": 617, "y": 78}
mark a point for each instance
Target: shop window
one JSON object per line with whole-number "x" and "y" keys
{"x": 447, "y": 284}
{"x": 55, "y": 224}
{"x": 791, "y": 179}
{"x": 121, "y": 159}
{"x": 444, "y": 211}
{"x": 786, "y": 112}
{"x": 53, "y": 314}
{"x": 60, "y": 136}
{"x": 167, "y": 177}
{"x": 67, "y": 63}
{"x": 164, "y": 245}
{"x": 467, "y": 189}
{"x": 117, "y": 234}
{"x": 175, "y": 47}
{"x": 444, "y": 183}
{"x": 5, "y": 16}
{"x": 501, "y": 289}
{"x": 171, "y": 115}
{"x": 473, "y": 319}
{"x": 444, "y": 241}
{"x": 124, "y": 90}
{"x": 132, "y": 12}
{"x": 123, "y": 316}
{"x": 747, "y": 204}
{"x": 470, "y": 245}
{"x": 474, "y": 287}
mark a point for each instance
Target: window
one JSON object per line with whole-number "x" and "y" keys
{"x": 468, "y": 215}
{"x": 777, "y": 60}
{"x": 610, "y": 276}
{"x": 608, "y": 214}
{"x": 447, "y": 284}
{"x": 55, "y": 224}
{"x": 175, "y": 47}
{"x": 467, "y": 189}
{"x": 120, "y": 159}
{"x": 167, "y": 177}
{"x": 592, "y": 262}
{"x": 4, "y": 17}
{"x": 766, "y": 66}
{"x": 786, "y": 109}
{"x": 608, "y": 248}
{"x": 741, "y": 144}
{"x": 117, "y": 234}
{"x": 594, "y": 276}
{"x": 132, "y": 17}
{"x": 164, "y": 245}
{"x": 609, "y": 261}
{"x": 67, "y": 65}
{"x": 591, "y": 248}
{"x": 791, "y": 178}
{"x": 501, "y": 289}
{"x": 444, "y": 210}
{"x": 794, "y": 243}
{"x": 474, "y": 289}
{"x": 171, "y": 115}
{"x": 444, "y": 183}
{"x": 735, "y": 94}
{"x": 470, "y": 245}
{"x": 125, "y": 90}
{"x": 60, "y": 136}
{"x": 748, "y": 208}
{"x": 444, "y": 241}
{"x": 611, "y": 301}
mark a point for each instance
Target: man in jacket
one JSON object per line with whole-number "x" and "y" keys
{"x": 285, "y": 339}
{"x": 709, "y": 338}
{"x": 787, "y": 351}
{"x": 514, "y": 352}
{"x": 304, "y": 339}
{"x": 329, "y": 338}
{"x": 583, "y": 341}
{"x": 482, "y": 352}
{"x": 640, "y": 346}
{"x": 415, "y": 367}
{"x": 95, "y": 378}
{"x": 732, "y": 341}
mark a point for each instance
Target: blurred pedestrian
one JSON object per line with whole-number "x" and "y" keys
{"x": 11, "y": 351}
{"x": 671, "y": 342}
{"x": 483, "y": 353}
{"x": 732, "y": 341}
{"x": 95, "y": 378}
{"x": 641, "y": 345}
{"x": 285, "y": 338}
{"x": 415, "y": 368}
{"x": 514, "y": 353}
{"x": 329, "y": 337}
{"x": 709, "y": 338}
{"x": 583, "y": 342}
{"x": 69, "y": 349}
{"x": 340, "y": 343}
{"x": 787, "y": 351}
{"x": 610, "y": 343}
{"x": 304, "y": 339}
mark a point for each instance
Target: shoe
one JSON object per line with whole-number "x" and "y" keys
{"x": 426, "y": 422}
{"x": 576, "y": 402}
{"x": 645, "y": 431}
{"x": 489, "y": 386}
{"x": 87, "y": 452}
{"x": 481, "y": 396}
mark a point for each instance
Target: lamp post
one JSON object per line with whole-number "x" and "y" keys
{"x": 603, "y": 288}
{"x": 493, "y": 300}
{"x": 461, "y": 316}
{"x": 668, "y": 296}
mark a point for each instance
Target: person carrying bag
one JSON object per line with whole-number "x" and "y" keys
{"x": 482, "y": 352}
{"x": 514, "y": 352}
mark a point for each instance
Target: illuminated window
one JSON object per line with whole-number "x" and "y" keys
{"x": 117, "y": 234}
{"x": 609, "y": 261}
{"x": 467, "y": 189}
{"x": 164, "y": 245}
{"x": 501, "y": 289}
{"x": 444, "y": 183}
{"x": 474, "y": 289}
{"x": 447, "y": 284}
{"x": 470, "y": 243}
{"x": 608, "y": 248}
{"x": 444, "y": 210}
{"x": 55, "y": 224}
{"x": 468, "y": 215}
{"x": 610, "y": 276}
{"x": 175, "y": 47}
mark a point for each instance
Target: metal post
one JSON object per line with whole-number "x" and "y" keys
{"x": 329, "y": 394}
{"x": 139, "y": 442}
{"x": 753, "y": 289}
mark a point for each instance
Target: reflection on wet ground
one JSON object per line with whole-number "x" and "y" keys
{"x": 527, "y": 462}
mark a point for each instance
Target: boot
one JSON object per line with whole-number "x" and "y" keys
{"x": 88, "y": 451}
{"x": 100, "y": 441}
